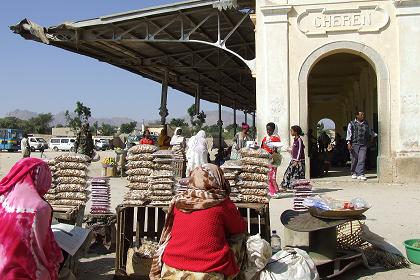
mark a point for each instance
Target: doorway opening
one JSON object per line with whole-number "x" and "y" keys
{"x": 339, "y": 85}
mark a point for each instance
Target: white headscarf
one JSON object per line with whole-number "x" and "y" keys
{"x": 197, "y": 151}
{"x": 197, "y": 143}
{"x": 177, "y": 139}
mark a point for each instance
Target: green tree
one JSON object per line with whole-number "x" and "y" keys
{"x": 95, "y": 127}
{"x": 59, "y": 125}
{"x": 178, "y": 122}
{"x": 107, "y": 129}
{"x": 83, "y": 113}
{"x": 231, "y": 127}
{"x": 128, "y": 128}
{"x": 40, "y": 124}
{"x": 197, "y": 120}
{"x": 229, "y": 131}
{"x": 12, "y": 122}
{"x": 211, "y": 130}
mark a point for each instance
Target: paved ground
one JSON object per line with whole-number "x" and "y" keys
{"x": 395, "y": 215}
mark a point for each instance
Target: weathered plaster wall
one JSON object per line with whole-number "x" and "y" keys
{"x": 393, "y": 42}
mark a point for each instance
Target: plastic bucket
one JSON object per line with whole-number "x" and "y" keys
{"x": 413, "y": 253}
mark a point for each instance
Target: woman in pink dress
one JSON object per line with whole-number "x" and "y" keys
{"x": 273, "y": 188}
{"x": 28, "y": 249}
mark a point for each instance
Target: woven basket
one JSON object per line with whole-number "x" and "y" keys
{"x": 349, "y": 237}
{"x": 137, "y": 265}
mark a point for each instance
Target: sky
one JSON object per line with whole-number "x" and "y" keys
{"x": 42, "y": 78}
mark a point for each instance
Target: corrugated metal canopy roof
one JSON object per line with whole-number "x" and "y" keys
{"x": 195, "y": 43}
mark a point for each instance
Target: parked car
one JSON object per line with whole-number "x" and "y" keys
{"x": 62, "y": 144}
{"x": 101, "y": 144}
{"x": 37, "y": 143}
{"x": 132, "y": 140}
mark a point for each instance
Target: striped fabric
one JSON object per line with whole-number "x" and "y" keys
{"x": 302, "y": 189}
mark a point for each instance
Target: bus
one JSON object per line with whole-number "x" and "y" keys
{"x": 10, "y": 139}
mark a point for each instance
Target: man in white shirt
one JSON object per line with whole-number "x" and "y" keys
{"x": 25, "y": 147}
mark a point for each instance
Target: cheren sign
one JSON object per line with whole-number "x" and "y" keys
{"x": 365, "y": 19}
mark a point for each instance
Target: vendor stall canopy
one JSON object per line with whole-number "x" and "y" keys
{"x": 205, "y": 48}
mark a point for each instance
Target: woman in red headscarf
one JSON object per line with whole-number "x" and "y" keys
{"x": 28, "y": 249}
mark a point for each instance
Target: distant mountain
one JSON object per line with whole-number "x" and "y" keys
{"x": 227, "y": 117}
{"x": 60, "y": 118}
{"x": 22, "y": 114}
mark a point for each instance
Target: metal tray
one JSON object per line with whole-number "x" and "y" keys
{"x": 336, "y": 214}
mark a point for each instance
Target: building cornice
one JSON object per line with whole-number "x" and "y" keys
{"x": 407, "y": 7}
{"x": 406, "y": 3}
{"x": 275, "y": 14}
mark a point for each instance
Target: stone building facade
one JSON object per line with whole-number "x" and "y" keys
{"x": 331, "y": 58}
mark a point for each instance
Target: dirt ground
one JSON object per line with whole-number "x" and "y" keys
{"x": 395, "y": 215}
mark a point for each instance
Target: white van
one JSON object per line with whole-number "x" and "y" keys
{"x": 101, "y": 144}
{"x": 37, "y": 143}
{"x": 62, "y": 144}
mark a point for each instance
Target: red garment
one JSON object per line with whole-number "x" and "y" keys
{"x": 146, "y": 141}
{"x": 268, "y": 139}
{"x": 199, "y": 239}
{"x": 28, "y": 249}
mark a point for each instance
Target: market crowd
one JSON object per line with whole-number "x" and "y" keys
{"x": 204, "y": 233}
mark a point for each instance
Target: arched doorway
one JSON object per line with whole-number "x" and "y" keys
{"x": 328, "y": 126}
{"x": 339, "y": 85}
{"x": 384, "y": 160}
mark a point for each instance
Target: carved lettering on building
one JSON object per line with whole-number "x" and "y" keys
{"x": 365, "y": 19}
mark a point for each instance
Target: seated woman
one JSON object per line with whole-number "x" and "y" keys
{"x": 194, "y": 241}
{"x": 28, "y": 249}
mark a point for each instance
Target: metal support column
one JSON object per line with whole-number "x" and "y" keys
{"x": 163, "y": 110}
{"x": 246, "y": 117}
{"x": 235, "y": 125}
{"x": 254, "y": 130}
{"x": 197, "y": 100}
{"x": 220, "y": 124}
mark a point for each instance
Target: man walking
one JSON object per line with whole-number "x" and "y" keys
{"x": 358, "y": 136}
{"x": 25, "y": 147}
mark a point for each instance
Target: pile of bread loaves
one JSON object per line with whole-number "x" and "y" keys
{"x": 162, "y": 178}
{"x": 231, "y": 170}
{"x": 139, "y": 167}
{"x": 69, "y": 180}
{"x": 253, "y": 184}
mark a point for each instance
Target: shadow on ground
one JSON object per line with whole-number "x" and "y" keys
{"x": 342, "y": 174}
{"x": 325, "y": 190}
{"x": 97, "y": 267}
{"x": 358, "y": 272}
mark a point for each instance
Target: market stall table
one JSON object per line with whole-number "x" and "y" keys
{"x": 104, "y": 232}
{"x": 322, "y": 247}
{"x": 136, "y": 223}
{"x": 69, "y": 214}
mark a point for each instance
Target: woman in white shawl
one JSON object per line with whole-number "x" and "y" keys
{"x": 178, "y": 144}
{"x": 197, "y": 151}
{"x": 177, "y": 139}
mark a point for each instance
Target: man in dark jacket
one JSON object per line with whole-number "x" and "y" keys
{"x": 358, "y": 136}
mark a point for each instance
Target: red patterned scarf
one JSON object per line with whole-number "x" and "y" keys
{"x": 207, "y": 188}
